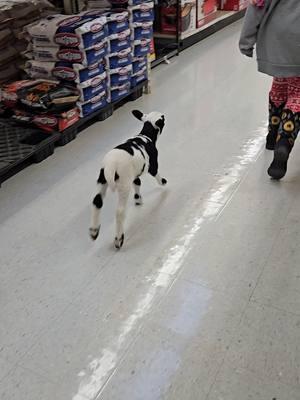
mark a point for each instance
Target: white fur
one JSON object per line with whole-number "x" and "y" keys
{"x": 127, "y": 168}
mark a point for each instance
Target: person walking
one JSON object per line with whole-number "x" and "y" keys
{"x": 274, "y": 27}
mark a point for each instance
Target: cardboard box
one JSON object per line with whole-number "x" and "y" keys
{"x": 233, "y": 5}
{"x": 206, "y": 11}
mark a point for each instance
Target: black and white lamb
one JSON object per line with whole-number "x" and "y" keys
{"x": 122, "y": 168}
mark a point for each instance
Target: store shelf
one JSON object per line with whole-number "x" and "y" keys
{"x": 164, "y": 35}
{"x": 223, "y": 19}
{"x": 161, "y": 60}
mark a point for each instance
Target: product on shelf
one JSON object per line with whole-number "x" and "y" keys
{"x": 119, "y": 91}
{"x": 139, "y": 76}
{"x": 39, "y": 95}
{"x": 72, "y": 49}
{"x": 119, "y": 59}
{"x": 92, "y": 105}
{"x": 130, "y": 27}
{"x": 119, "y": 41}
{"x": 78, "y": 64}
{"x": 206, "y": 11}
{"x": 141, "y": 47}
{"x": 142, "y": 30}
{"x": 49, "y": 122}
{"x": 117, "y": 21}
{"x": 78, "y": 31}
{"x": 14, "y": 16}
{"x": 152, "y": 55}
{"x": 232, "y": 5}
{"x": 64, "y": 71}
{"x": 85, "y": 57}
{"x": 120, "y": 76}
{"x": 142, "y": 12}
{"x": 187, "y": 22}
{"x": 138, "y": 64}
{"x": 48, "y": 105}
{"x": 93, "y": 87}
{"x": 141, "y": 24}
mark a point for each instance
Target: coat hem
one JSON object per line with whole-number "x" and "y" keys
{"x": 279, "y": 71}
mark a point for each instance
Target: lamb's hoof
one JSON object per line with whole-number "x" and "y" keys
{"x": 138, "y": 200}
{"x": 163, "y": 181}
{"x": 94, "y": 233}
{"x": 119, "y": 242}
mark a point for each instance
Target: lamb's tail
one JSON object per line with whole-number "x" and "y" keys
{"x": 111, "y": 175}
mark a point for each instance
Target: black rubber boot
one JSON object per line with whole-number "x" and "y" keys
{"x": 274, "y": 123}
{"x": 287, "y": 134}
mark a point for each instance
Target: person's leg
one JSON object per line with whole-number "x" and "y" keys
{"x": 277, "y": 101}
{"x": 288, "y": 130}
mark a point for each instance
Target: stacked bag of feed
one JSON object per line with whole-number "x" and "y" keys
{"x": 140, "y": 29}
{"x": 119, "y": 58}
{"x": 77, "y": 65}
{"x": 14, "y": 15}
{"x": 73, "y": 50}
{"x": 48, "y": 105}
{"x": 141, "y": 22}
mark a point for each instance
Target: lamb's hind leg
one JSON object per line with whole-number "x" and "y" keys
{"x": 97, "y": 206}
{"x": 123, "y": 193}
{"x": 137, "y": 192}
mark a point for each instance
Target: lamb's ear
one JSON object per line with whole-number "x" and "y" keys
{"x": 138, "y": 114}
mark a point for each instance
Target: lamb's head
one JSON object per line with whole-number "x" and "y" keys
{"x": 156, "y": 119}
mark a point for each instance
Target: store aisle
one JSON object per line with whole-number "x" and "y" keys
{"x": 203, "y": 301}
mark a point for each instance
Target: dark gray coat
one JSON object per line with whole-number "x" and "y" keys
{"x": 275, "y": 29}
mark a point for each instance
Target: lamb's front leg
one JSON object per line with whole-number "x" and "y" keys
{"x": 161, "y": 181}
{"x": 153, "y": 168}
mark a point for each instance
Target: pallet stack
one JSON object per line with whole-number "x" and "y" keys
{"x": 141, "y": 24}
{"x": 14, "y": 15}
{"x": 73, "y": 50}
{"x": 139, "y": 31}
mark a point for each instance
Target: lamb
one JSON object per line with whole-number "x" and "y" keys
{"x": 123, "y": 167}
